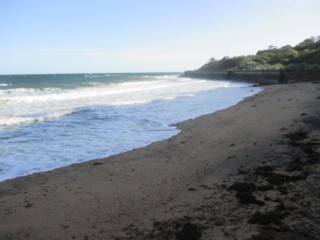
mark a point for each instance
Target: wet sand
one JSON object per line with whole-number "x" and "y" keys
{"x": 248, "y": 172}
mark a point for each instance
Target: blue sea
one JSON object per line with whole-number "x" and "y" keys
{"x": 50, "y": 121}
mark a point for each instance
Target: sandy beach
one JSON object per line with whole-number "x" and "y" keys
{"x": 247, "y": 172}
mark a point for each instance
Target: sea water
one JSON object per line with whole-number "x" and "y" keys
{"x": 50, "y": 121}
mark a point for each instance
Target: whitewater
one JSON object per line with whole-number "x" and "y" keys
{"x": 50, "y": 121}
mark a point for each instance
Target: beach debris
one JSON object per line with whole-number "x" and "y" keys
{"x": 64, "y": 226}
{"x": 313, "y": 122}
{"x": 28, "y": 204}
{"x": 269, "y": 232}
{"x": 279, "y": 179}
{"x": 177, "y": 228}
{"x": 295, "y": 165}
{"x": 187, "y": 231}
{"x": 274, "y": 217}
{"x": 245, "y": 192}
{"x": 97, "y": 163}
{"x": 264, "y": 170}
{"x": 297, "y": 136}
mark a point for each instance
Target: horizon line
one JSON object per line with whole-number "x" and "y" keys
{"x": 11, "y": 74}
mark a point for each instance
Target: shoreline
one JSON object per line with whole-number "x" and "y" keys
{"x": 167, "y": 189}
{"x": 51, "y": 137}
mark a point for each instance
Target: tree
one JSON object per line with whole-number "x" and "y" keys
{"x": 271, "y": 47}
{"x": 307, "y": 42}
{"x": 287, "y": 47}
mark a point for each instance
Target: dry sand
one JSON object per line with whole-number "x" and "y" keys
{"x": 248, "y": 172}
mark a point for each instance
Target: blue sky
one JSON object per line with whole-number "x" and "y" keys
{"x": 78, "y": 36}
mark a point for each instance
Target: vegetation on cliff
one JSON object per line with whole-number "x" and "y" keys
{"x": 304, "y": 56}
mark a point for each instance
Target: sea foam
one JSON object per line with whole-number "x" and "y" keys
{"x": 50, "y": 121}
{"x": 28, "y": 105}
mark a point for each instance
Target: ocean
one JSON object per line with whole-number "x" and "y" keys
{"x": 50, "y": 121}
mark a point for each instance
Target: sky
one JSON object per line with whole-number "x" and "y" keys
{"x": 104, "y": 36}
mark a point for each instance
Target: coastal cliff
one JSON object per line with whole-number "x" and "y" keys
{"x": 274, "y": 65}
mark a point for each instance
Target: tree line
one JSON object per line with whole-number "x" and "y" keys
{"x": 304, "y": 57}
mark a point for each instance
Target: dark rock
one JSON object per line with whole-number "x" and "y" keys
{"x": 188, "y": 231}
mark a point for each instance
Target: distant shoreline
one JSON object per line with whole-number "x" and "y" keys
{"x": 261, "y": 77}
